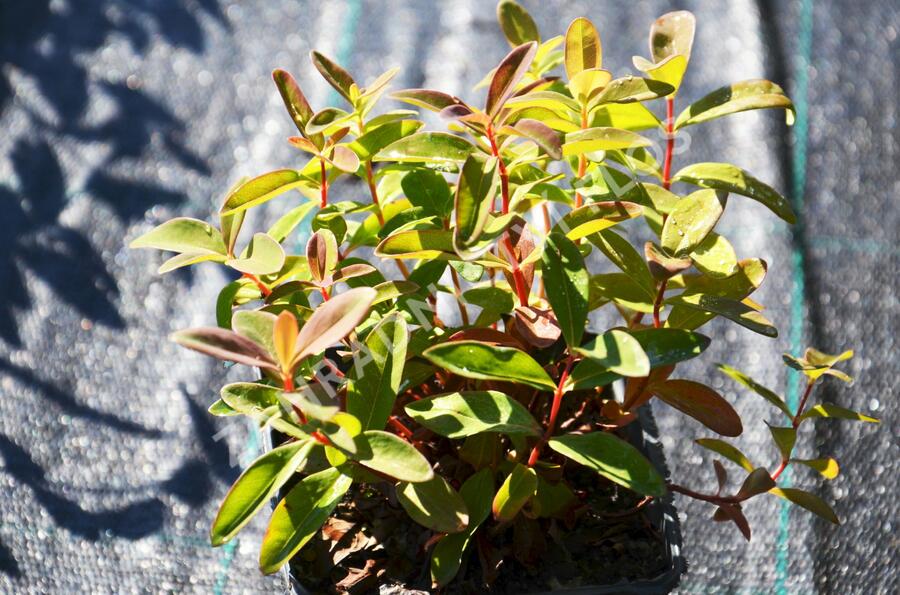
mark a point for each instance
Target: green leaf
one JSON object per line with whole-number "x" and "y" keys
{"x": 601, "y": 139}
{"x": 300, "y": 515}
{"x": 814, "y": 364}
{"x": 226, "y": 345}
{"x": 833, "y": 411}
{"x": 715, "y": 256}
{"x": 700, "y": 402}
{"x": 545, "y": 137}
{"x": 518, "y": 487}
{"x": 663, "y": 347}
{"x": 507, "y": 75}
{"x": 750, "y": 275}
{"x": 759, "y": 389}
{"x": 670, "y": 70}
{"x": 263, "y": 256}
{"x": 256, "y": 325}
{"x": 434, "y": 504}
{"x": 630, "y": 89}
{"x": 473, "y": 203}
{"x": 377, "y": 370}
{"x": 332, "y": 321}
{"x": 693, "y": 218}
{"x": 250, "y": 398}
{"x": 622, "y": 254}
{"x": 566, "y": 281}
{"x": 328, "y": 120}
{"x": 288, "y": 222}
{"x": 261, "y": 189}
{"x": 294, "y": 100}
{"x": 731, "y": 309}
{"x": 621, "y": 289}
{"x": 183, "y": 234}
{"x": 726, "y": 450}
{"x": 517, "y": 25}
{"x": 344, "y": 159}
{"x": 225, "y": 302}
{"x": 429, "y": 190}
{"x": 391, "y": 455}
{"x": 427, "y": 245}
{"x": 595, "y": 217}
{"x": 393, "y": 289}
{"x": 672, "y": 34}
{"x": 552, "y": 499}
{"x": 438, "y": 148}
{"x": 730, "y": 178}
{"x": 256, "y": 485}
{"x": 473, "y": 359}
{"x": 618, "y": 352}
{"x": 461, "y": 414}
{"x": 662, "y": 266}
{"x": 222, "y": 409}
{"x": 583, "y": 50}
{"x": 784, "y": 438}
{"x": 373, "y": 141}
{"x": 827, "y": 467}
{"x": 333, "y": 74}
{"x": 612, "y": 458}
{"x": 738, "y": 97}
{"x": 810, "y": 502}
{"x": 476, "y": 492}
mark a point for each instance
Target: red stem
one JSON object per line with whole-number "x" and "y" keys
{"x": 670, "y": 142}
{"x": 657, "y": 304}
{"x": 400, "y": 427}
{"x": 265, "y": 291}
{"x": 324, "y": 202}
{"x": 795, "y": 421}
{"x": 518, "y": 275}
{"x": 554, "y": 413}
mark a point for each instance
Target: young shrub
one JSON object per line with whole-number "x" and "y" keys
{"x": 474, "y": 424}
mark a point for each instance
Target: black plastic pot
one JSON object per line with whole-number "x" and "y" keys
{"x": 661, "y": 513}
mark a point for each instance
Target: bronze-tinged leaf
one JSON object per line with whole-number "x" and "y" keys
{"x": 332, "y": 321}
{"x": 507, "y": 75}
{"x": 428, "y": 99}
{"x": 321, "y": 254}
{"x": 700, "y": 402}
{"x": 344, "y": 159}
{"x": 662, "y": 266}
{"x": 672, "y": 34}
{"x": 536, "y": 327}
{"x": 545, "y": 137}
{"x": 226, "y": 345}
{"x": 517, "y": 25}
{"x": 486, "y": 335}
{"x": 475, "y": 192}
{"x": 757, "y": 482}
{"x": 294, "y": 100}
{"x": 583, "y": 49}
{"x": 333, "y": 74}
{"x": 733, "y": 512}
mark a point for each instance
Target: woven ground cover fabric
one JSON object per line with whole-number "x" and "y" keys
{"x": 119, "y": 114}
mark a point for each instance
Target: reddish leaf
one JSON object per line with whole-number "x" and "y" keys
{"x": 428, "y": 99}
{"x": 294, "y": 100}
{"x": 336, "y": 76}
{"x": 733, "y": 512}
{"x": 700, "y": 402}
{"x": 545, "y": 137}
{"x": 507, "y": 76}
{"x": 332, "y": 321}
{"x": 224, "y": 344}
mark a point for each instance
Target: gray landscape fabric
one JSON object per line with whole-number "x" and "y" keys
{"x": 119, "y": 114}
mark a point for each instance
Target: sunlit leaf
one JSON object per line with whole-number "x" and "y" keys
{"x": 601, "y": 139}
{"x": 583, "y": 48}
{"x": 507, "y": 75}
{"x": 332, "y": 321}
{"x": 427, "y": 147}
{"x": 183, "y": 234}
{"x": 731, "y": 309}
{"x": 833, "y": 411}
{"x": 475, "y": 192}
{"x": 759, "y": 389}
{"x": 294, "y": 100}
{"x": 517, "y": 25}
{"x": 375, "y": 139}
{"x": 595, "y": 217}
{"x": 333, "y": 74}
{"x": 226, "y": 345}
{"x": 810, "y": 502}
{"x": 618, "y": 352}
{"x": 446, "y": 559}
{"x": 298, "y": 517}
{"x": 613, "y": 458}
{"x": 630, "y": 89}
{"x": 672, "y": 34}
{"x": 256, "y": 485}
{"x": 726, "y": 450}
{"x": 730, "y": 178}
{"x": 461, "y": 414}
{"x": 738, "y": 97}
{"x": 715, "y": 256}
{"x": 827, "y": 467}
{"x": 262, "y": 256}
{"x": 261, "y": 189}
{"x": 566, "y": 282}
{"x": 391, "y": 455}
{"x": 518, "y": 487}
{"x": 374, "y": 379}
{"x": 693, "y": 218}
{"x": 473, "y": 359}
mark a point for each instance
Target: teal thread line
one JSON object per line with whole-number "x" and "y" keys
{"x": 798, "y": 291}
{"x": 345, "y": 49}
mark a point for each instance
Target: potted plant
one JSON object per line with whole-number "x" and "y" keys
{"x": 498, "y": 442}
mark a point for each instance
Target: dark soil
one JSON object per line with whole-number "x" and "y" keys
{"x": 370, "y": 545}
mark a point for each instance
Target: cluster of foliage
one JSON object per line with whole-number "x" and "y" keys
{"x": 475, "y": 426}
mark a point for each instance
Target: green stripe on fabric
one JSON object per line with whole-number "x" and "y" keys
{"x": 346, "y": 45}
{"x": 798, "y": 291}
